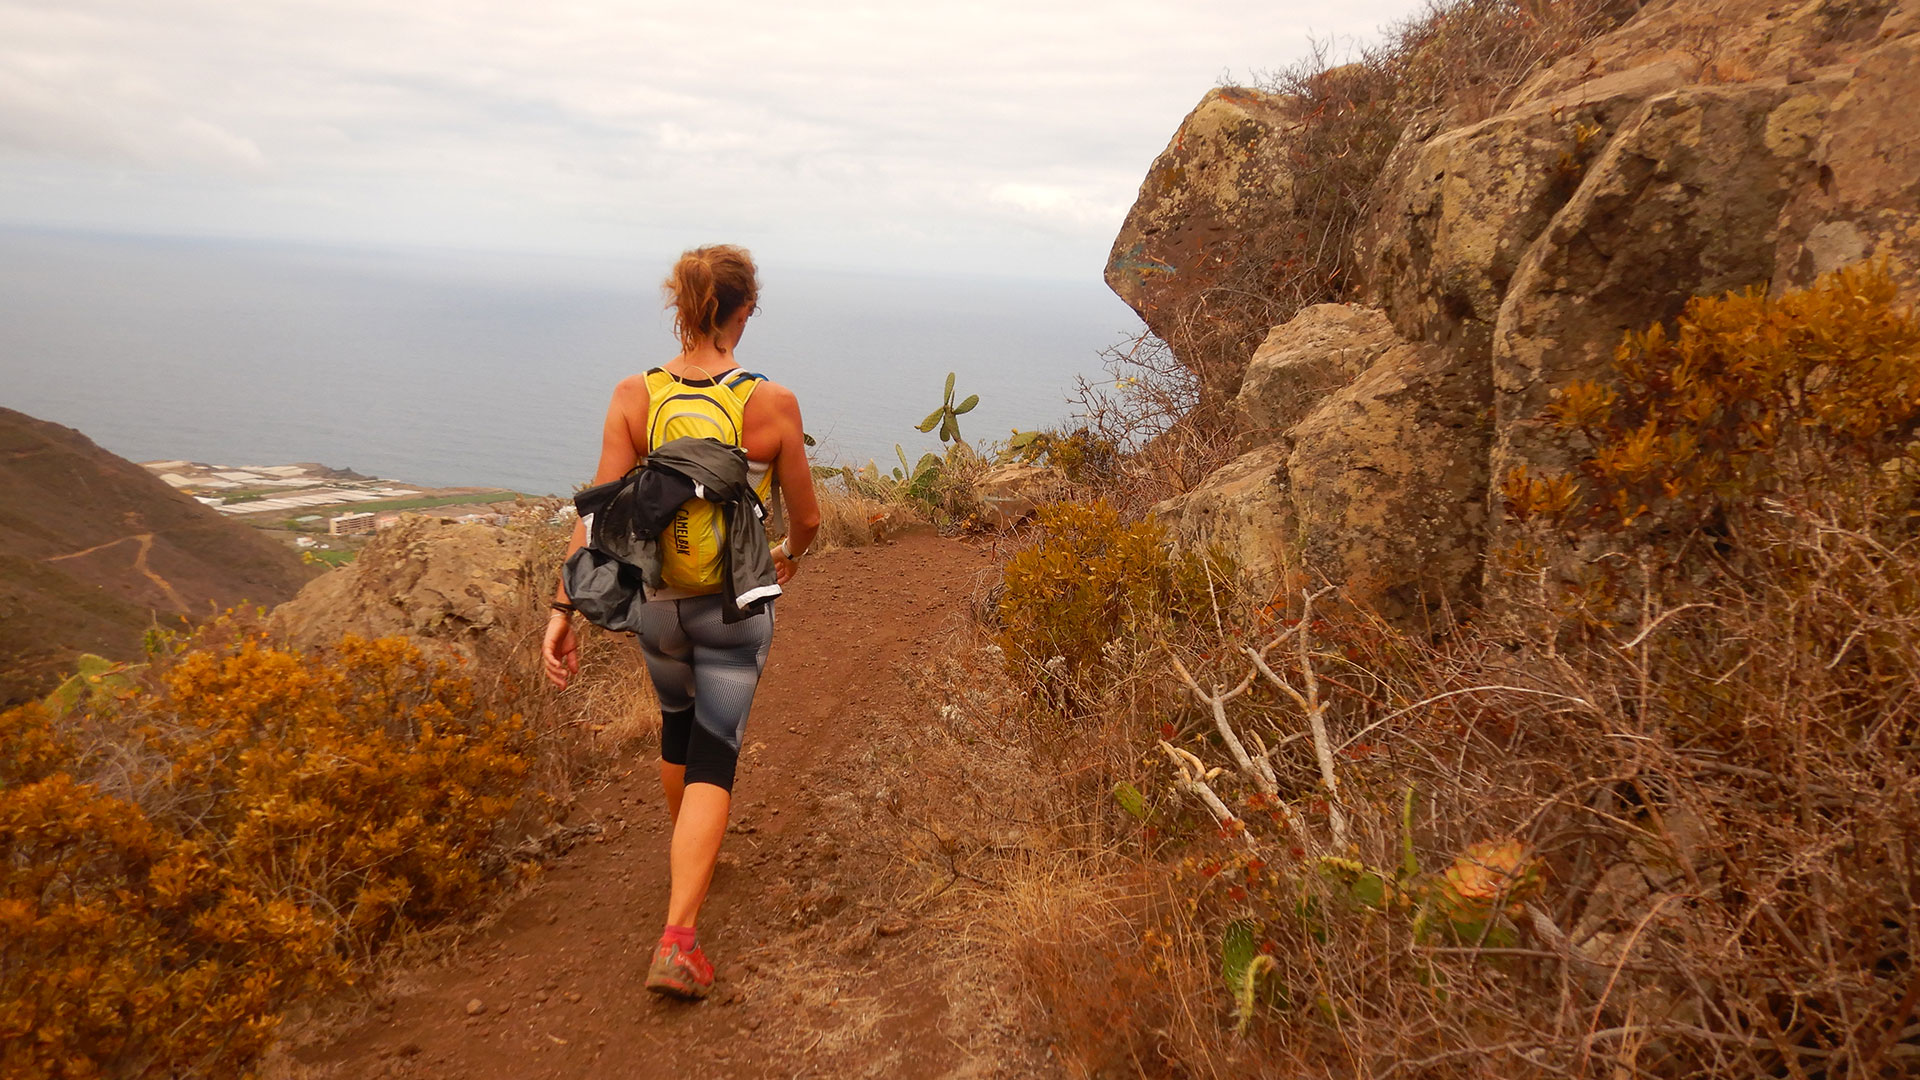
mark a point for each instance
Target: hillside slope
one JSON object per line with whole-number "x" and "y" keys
{"x": 94, "y": 550}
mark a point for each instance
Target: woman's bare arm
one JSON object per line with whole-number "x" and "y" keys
{"x": 794, "y": 473}
{"x": 620, "y": 439}
{"x": 619, "y": 450}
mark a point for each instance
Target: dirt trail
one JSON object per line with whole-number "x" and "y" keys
{"x": 145, "y": 540}
{"x": 821, "y": 974}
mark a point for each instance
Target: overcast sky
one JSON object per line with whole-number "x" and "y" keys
{"x": 1001, "y": 136}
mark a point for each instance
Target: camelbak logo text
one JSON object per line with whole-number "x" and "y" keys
{"x": 682, "y": 535}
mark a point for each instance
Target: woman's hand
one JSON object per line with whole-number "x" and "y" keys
{"x": 783, "y": 567}
{"x": 560, "y": 650}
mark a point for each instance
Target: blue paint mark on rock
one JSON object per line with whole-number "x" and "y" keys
{"x": 1134, "y": 261}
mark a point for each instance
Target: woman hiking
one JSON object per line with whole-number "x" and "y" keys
{"x": 704, "y": 654}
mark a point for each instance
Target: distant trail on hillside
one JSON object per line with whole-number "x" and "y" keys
{"x": 66, "y": 507}
{"x": 820, "y": 973}
{"x": 139, "y": 563}
{"x": 148, "y": 537}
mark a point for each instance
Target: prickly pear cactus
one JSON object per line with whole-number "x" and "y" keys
{"x": 96, "y": 681}
{"x": 947, "y": 416}
{"x": 1250, "y": 975}
{"x": 1237, "y": 950}
{"x": 1026, "y": 446}
{"x": 1362, "y": 884}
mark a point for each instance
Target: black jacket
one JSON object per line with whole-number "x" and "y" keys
{"x": 626, "y": 517}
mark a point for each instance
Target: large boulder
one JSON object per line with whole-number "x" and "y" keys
{"x": 1012, "y": 492}
{"x": 1221, "y": 186}
{"x": 441, "y": 584}
{"x": 1701, "y": 147}
{"x": 1388, "y": 480}
{"x": 1682, "y": 203}
{"x": 1245, "y": 508}
{"x": 1381, "y": 486}
{"x": 1865, "y": 200}
{"x": 1304, "y": 359}
{"x": 1459, "y": 209}
{"x": 1729, "y": 41}
{"x": 1903, "y": 18}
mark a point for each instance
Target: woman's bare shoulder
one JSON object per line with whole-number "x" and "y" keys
{"x": 632, "y": 384}
{"x": 774, "y": 396}
{"x": 631, "y": 392}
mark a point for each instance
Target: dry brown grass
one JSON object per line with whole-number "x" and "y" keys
{"x": 1723, "y": 826}
{"x": 1153, "y": 432}
{"x": 1656, "y": 813}
{"x": 609, "y": 707}
{"x": 861, "y": 506}
{"x": 1453, "y": 63}
{"x": 851, "y": 519}
{"x": 1036, "y": 895}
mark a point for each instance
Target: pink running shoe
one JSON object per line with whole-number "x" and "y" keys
{"x": 679, "y": 973}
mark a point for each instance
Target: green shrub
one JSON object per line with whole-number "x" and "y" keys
{"x": 1092, "y": 579}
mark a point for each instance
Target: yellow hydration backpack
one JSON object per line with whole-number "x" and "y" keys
{"x": 712, "y": 408}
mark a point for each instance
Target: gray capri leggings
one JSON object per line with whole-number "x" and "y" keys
{"x": 704, "y": 672}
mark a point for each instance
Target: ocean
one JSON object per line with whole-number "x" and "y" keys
{"x": 447, "y": 369}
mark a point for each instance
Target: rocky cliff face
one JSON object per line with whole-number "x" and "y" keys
{"x": 1222, "y": 186}
{"x": 1703, "y": 146}
{"x": 440, "y": 584}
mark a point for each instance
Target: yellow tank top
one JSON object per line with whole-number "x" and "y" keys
{"x": 711, "y": 408}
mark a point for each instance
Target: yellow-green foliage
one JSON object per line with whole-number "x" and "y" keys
{"x": 1080, "y": 455}
{"x": 1747, "y": 395}
{"x": 364, "y": 781}
{"x": 294, "y": 810}
{"x": 124, "y": 950}
{"x": 1092, "y": 579}
{"x": 96, "y": 680}
{"x": 939, "y": 488}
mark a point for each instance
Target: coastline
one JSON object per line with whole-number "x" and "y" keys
{"x": 324, "y": 512}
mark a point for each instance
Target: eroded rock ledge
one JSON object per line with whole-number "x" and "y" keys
{"x": 1704, "y": 146}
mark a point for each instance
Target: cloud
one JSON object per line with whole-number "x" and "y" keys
{"x": 67, "y": 103}
{"x": 1059, "y": 207}
{"x": 859, "y": 132}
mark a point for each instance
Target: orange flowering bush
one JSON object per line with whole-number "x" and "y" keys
{"x": 286, "y": 813}
{"x": 364, "y": 781}
{"x": 124, "y": 949}
{"x": 1748, "y": 396}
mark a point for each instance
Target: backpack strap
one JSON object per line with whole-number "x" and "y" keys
{"x": 743, "y": 383}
